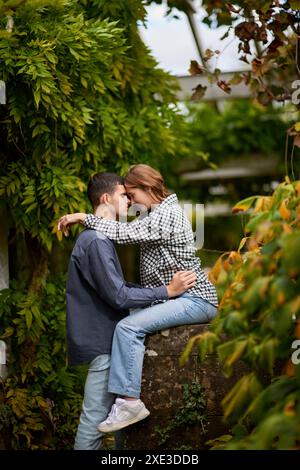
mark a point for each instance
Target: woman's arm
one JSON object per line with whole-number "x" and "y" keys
{"x": 66, "y": 221}
{"x": 153, "y": 228}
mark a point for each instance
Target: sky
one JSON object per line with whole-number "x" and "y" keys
{"x": 172, "y": 43}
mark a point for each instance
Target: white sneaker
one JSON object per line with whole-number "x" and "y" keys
{"x": 123, "y": 414}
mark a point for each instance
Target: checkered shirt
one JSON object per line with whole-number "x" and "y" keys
{"x": 167, "y": 245}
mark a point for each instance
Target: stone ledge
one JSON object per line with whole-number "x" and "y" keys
{"x": 162, "y": 383}
{"x": 175, "y": 341}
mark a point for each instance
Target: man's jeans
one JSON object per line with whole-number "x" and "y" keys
{"x": 128, "y": 344}
{"x": 96, "y": 405}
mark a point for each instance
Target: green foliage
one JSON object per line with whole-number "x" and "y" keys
{"x": 83, "y": 95}
{"x": 267, "y": 41}
{"x": 42, "y": 395}
{"x": 192, "y": 411}
{"x": 244, "y": 133}
{"x": 243, "y": 128}
{"x": 80, "y": 98}
{"x": 259, "y": 315}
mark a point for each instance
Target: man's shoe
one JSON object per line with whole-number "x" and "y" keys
{"x": 122, "y": 414}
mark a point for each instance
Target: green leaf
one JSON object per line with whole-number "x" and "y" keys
{"x": 244, "y": 205}
{"x": 37, "y": 98}
{"x": 28, "y": 318}
{"x": 290, "y": 244}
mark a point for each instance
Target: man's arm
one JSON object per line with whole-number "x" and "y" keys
{"x": 111, "y": 286}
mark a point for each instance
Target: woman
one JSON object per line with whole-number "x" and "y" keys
{"x": 167, "y": 246}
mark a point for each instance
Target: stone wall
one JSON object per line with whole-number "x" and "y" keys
{"x": 162, "y": 389}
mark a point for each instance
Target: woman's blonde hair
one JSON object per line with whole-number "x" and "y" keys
{"x": 147, "y": 178}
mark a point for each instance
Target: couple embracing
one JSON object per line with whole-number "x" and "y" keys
{"x": 107, "y": 317}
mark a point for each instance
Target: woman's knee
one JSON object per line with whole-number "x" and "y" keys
{"x": 124, "y": 325}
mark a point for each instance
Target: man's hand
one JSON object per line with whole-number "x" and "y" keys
{"x": 181, "y": 282}
{"x": 70, "y": 219}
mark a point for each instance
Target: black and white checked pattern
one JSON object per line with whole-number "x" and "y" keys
{"x": 167, "y": 245}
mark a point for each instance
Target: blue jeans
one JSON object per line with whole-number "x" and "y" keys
{"x": 128, "y": 343}
{"x": 96, "y": 405}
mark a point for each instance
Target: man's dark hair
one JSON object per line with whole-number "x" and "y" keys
{"x": 102, "y": 183}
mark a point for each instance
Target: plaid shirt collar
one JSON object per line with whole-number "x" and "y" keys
{"x": 170, "y": 200}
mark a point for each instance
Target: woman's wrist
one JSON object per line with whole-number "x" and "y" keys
{"x": 81, "y": 217}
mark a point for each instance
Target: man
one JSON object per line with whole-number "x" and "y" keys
{"x": 97, "y": 298}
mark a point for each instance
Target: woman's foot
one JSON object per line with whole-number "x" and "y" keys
{"x": 124, "y": 413}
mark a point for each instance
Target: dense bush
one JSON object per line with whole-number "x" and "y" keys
{"x": 43, "y": 395}
{"x": 259, "y": 313}
{"x": 83, "y": 95}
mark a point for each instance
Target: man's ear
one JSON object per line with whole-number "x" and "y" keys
{"x": 104, "y": 199}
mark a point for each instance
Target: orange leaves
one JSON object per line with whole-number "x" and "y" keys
{"x": 223, "y": 266}
{"x": 235, "y": 257}
{"x": 287, "y": 228}
{"x": 57, "y": 232}
{"x": 263, "y": 203}
{"x": 289, "y": 369}
{"x": 215, "y": 271}
{"x": 289, "y": 409}
{"x": 281, "y": 298}
{"x": 284, "y": 212}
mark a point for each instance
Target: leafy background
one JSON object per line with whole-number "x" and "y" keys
{"x": 84, "y": 95}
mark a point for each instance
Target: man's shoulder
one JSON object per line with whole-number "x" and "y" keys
{"x": 94, "y": 237}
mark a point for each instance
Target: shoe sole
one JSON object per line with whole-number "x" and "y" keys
{"x": 115, "y": 427}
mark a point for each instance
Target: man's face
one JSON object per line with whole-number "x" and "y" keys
{"x": 120, "y": 201}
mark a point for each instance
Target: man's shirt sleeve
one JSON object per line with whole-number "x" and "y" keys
{"x": 111, "y": 286}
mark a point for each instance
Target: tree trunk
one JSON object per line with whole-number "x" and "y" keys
{"x": 39, "y": 263}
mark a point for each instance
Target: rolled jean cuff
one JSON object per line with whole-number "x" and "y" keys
{"x": 125, "y": 392}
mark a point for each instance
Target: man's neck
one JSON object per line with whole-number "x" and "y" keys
{"x": 105, "y": 212}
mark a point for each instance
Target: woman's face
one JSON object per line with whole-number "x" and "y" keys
{"x": 140, "y": 196}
